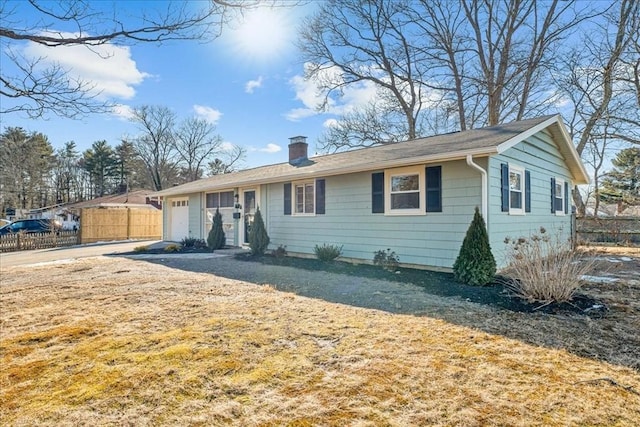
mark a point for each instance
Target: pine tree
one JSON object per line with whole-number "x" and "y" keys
{"x": 216, "y": 238}
{"x": 258, "y": 237}
{"x": 475, "y": 264}
{"x": 622, "y": 183}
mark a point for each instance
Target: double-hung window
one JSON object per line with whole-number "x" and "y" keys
{"x": 559, "y": 196}
{"x": 304, "y": 198}
{"x": 405, "y": 191}
{"x": 516, "y": 190}
{"x": 558, "y": 200}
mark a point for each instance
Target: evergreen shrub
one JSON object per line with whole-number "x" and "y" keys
{"x": 216, "y": 238}
{"x": 475, "y": 264}
{"x": 258, "y": 237}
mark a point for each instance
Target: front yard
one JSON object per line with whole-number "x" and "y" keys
{"x": 117, "y": 341}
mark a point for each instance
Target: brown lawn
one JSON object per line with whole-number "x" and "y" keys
{"x": 120, "y": 342}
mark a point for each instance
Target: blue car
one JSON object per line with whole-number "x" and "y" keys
{"x": 31, "y": 226}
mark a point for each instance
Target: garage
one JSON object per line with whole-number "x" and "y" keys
{"x": 179, "y": 224}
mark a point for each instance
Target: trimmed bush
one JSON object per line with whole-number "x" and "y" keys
{"x": 475, "y": 264}
{"x": 192, "y": 242}
{"x": 327, "y": 253}
{"x": 258, "y": 237}
{"x": 388, "y": 260}
{"x": 544, "y": 269}
{"x": 216, "y": 238}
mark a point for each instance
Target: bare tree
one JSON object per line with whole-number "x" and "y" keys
{"x": 196, "y": 143}
{"x": 155, "y": 145}
{"x": 349, "y": 42}
{"x": 229, "y": 161}
{"x": 38, "y": 90}
{"x": 481, "y": 62}
{"x": 600, "y": 81}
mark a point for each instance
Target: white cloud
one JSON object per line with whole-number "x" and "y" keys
{"x": 209, "y": 114}
{"x": 271, "y": 148}
{"x": 312, "y": 96}
{"x": 122, "y": 111}
{"x": 108, "y": 68}
{"x": 252, "y": 85}
{"x": 330, "y": 123}
{"x": 227, "y": 146}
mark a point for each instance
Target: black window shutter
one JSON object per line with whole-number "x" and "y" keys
{"x": 434, "y": 188}
{"x": 527, "y": 191}
{"x": 320, "y": 196}
{"x": 505, "y": 187}
{"x": 377, "y": 192}
{"x": 566, "y": 197}
{"x": 287, "y": 198}
{"x": 553, "y": 195}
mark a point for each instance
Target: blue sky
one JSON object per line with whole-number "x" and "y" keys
{"x": 248, "y": 82}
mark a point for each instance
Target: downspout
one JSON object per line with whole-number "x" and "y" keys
{"x": 483, "y": 174}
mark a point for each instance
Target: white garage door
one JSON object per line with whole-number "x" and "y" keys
{"x": 179, "y": 219}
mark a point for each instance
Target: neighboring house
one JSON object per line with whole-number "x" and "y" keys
{"x": 416, "y": 197}
{"x": 132, "y": 199}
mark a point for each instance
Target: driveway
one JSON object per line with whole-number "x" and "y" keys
{"x": 11, "y": 259}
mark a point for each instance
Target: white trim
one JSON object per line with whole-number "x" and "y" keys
{"x": 510, "y": 143}
{"x": 294, "y": 203}
{"x": 241, "y": 191}
{"x": 422, "y": 197}
{"x": 567, "y": 143}
{"x": 521, "y": 171}
{"x": 560, "y": 182}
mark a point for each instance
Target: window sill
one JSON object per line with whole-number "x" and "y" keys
{"x": 405, "y": 212}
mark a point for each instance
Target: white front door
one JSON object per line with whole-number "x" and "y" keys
{"x": 179, "y": 219}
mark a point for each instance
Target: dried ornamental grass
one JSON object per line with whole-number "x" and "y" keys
{"x": 544, "y": 269}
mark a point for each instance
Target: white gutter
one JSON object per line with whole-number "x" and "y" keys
{"x": 483, "y": 174}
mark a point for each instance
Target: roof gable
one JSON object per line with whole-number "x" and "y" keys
{"x": 452, "y": 146}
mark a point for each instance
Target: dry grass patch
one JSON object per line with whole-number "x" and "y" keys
{"x": 151, "y": 345}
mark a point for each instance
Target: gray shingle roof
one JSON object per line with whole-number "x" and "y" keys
{"x": 480, "y": 142}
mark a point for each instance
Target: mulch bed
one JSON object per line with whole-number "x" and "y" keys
{"x": 441, "y": 284}
{"x": 435, "y": 283}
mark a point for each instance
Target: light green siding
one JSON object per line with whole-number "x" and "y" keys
{"x": 539, "y": 155}
{"x": 433, "y": 239}
{"x": 196, "y": 216}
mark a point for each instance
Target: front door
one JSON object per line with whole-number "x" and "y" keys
{"x": 249, "y": 206}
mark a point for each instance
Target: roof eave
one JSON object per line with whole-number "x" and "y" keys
{"x": 567, "y": 148}
{"x": 300, "y": 175}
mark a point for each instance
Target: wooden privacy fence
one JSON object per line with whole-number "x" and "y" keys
{"x": 106, "y": 224}
{"x": 23, "y": 241}
{"x": 616, "y": 230}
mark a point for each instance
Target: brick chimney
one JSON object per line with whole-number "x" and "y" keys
{"x": 298, "y": 150}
